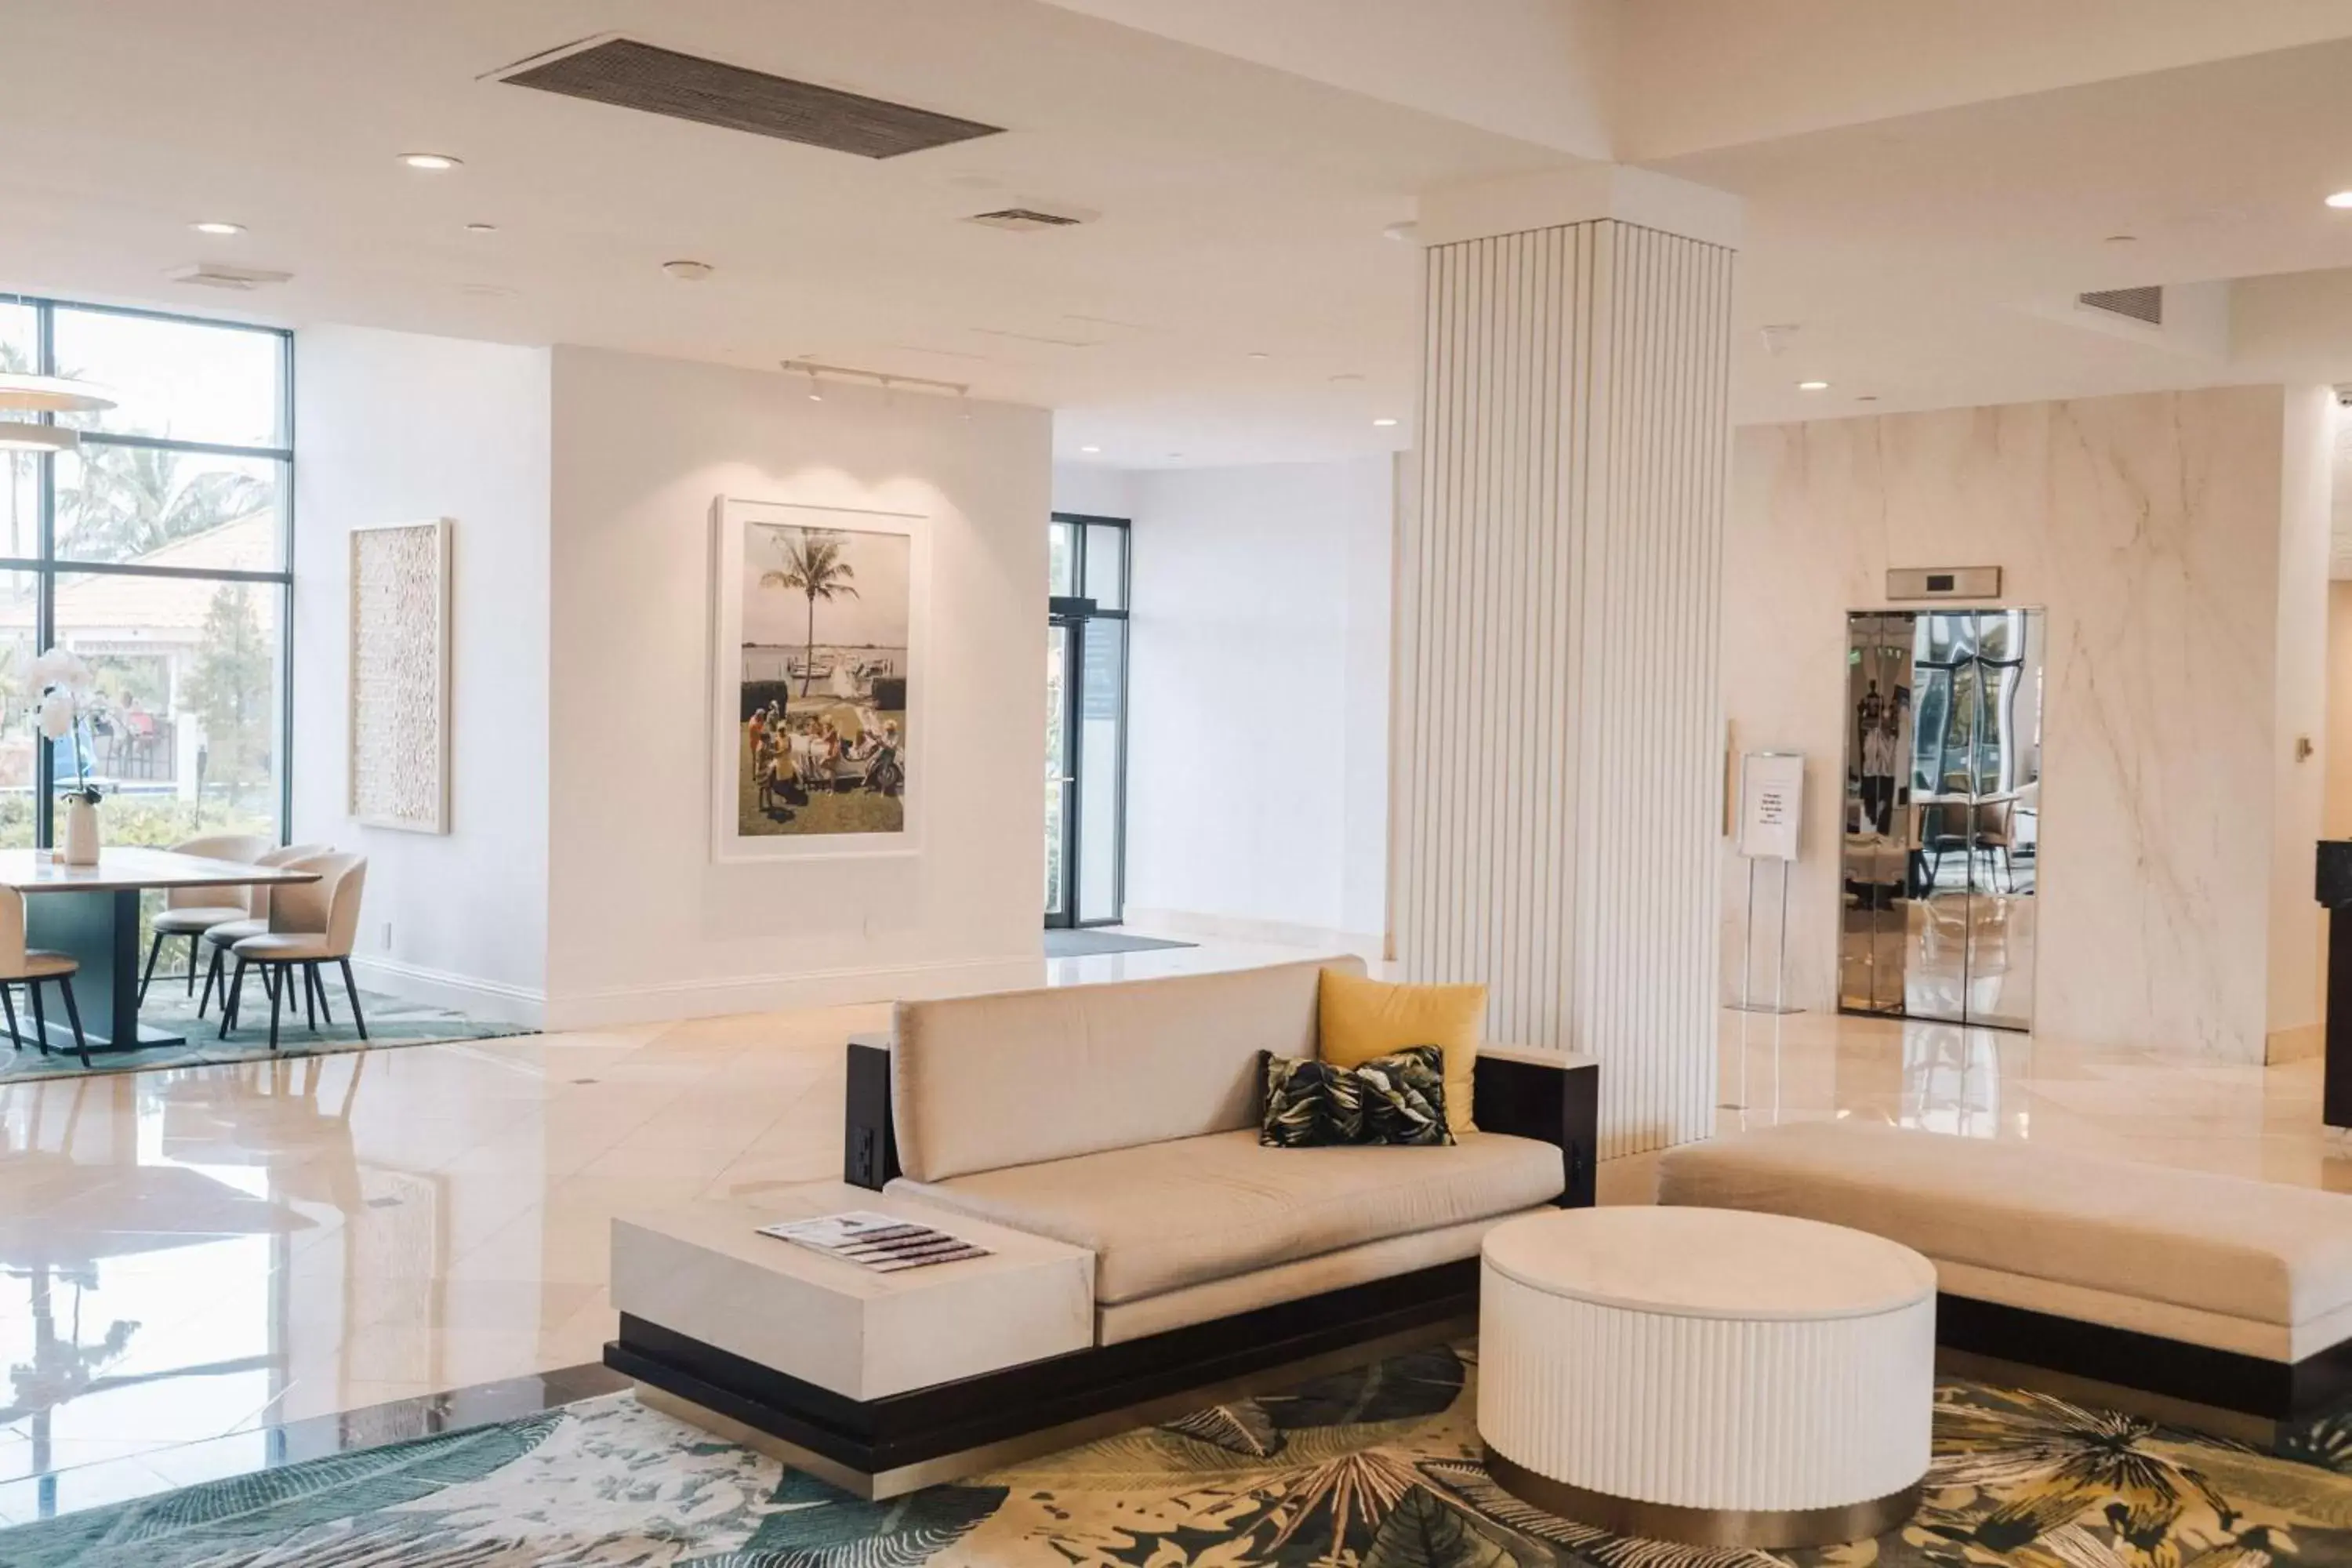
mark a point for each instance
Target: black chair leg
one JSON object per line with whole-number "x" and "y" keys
{"x": 154, "y": 950}
{"x": 73, "y": 1017}
{"x": 15, "y": 1039}
{"x": 352, "y": 992}
{"x": 310, "y": 999}
{"x": 318, "y": 984}
{"x": 195, "y": 952}
{"x": 231, "y": 992}
{"x": 213, "y": 979}
{"x": 276, "y": 995}
{"x": 40, "y": 1023}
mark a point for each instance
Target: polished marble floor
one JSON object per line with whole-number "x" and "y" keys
{"x": 194, "y": 1260}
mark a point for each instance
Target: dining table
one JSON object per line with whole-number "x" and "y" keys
{"x": 91, "y": 914}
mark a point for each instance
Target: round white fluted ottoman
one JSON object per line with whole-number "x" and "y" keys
{"x": 1706, "y": 1376}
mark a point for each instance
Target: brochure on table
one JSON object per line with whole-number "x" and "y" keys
{"x": 881, "y": 1242}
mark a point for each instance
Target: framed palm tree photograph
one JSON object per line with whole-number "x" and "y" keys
{"x": 816, "y": 677}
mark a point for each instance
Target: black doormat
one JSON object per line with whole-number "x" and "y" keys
{"x": 1088, "y": 943}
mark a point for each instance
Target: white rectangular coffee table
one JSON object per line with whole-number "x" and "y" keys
{"x": 704, "y": 1273}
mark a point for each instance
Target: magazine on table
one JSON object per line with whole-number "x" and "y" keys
{"x": 881, "y": 1242}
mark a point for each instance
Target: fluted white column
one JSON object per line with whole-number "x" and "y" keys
{"x": 1559, "y": 764}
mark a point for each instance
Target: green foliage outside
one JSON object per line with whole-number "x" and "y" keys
{"x": 229, "y": 689}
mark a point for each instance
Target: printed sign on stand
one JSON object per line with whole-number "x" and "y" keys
{"x": 1771, "y": 804}
{"x": 1772, "y": 812}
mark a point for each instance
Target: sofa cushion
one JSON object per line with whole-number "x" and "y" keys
{"x": 2249, "y": 1250}
{"x": 1362, "y": 1019}
{"x": 1019, "y": 1077}
{"x": 1160, "y": 1216}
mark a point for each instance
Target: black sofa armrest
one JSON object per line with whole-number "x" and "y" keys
{"x": 1550, "y": 1096}
{"x": 869, "y": 1144}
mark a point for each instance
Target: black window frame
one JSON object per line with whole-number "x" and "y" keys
{"x": 1075, "y": 611}
{"x": 47, "y": 566}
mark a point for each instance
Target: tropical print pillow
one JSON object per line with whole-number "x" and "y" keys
{"x": 1398, "y": 1099}
{"x": 1310, "y": 1105}
{"x": 1404, "y": 1097}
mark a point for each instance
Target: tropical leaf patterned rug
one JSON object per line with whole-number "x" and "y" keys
{"x": 1372, "y": 1468}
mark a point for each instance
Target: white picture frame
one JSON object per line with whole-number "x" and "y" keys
{"x": 733, "y": 519}
{"x": 398, "y": 675}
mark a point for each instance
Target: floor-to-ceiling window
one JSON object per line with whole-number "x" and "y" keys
{"x": 159, "y": 551}
{"x": 1086, "y": 722}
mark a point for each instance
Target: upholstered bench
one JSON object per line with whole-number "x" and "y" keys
{"x": 2232, "y": 1294}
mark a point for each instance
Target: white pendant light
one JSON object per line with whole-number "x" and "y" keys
{"x": 52, "y": 394}
{"x": 22, "y": 436}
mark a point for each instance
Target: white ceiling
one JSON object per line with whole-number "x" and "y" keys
{"x": 1929, "y": 186}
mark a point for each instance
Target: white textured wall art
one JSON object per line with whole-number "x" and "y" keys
{"x": 400, "y": 676}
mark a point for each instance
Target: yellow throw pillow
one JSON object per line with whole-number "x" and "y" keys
{"x": 1361, "y": 1019}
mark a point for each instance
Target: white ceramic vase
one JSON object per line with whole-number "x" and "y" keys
{"x": 81, "y": 834}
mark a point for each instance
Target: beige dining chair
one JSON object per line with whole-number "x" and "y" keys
{"x": 30, "y": 967}
{"x": 192, "y": 911}
{"x": 254, "y": 920}
{"x": 311, "y": 924}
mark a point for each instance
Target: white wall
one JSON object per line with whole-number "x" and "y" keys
{"x": 398, "y": 427}
{"x": 2158, "y": 531}
{"x": 1094, "y": 492}
{"x": 1258, "y": 696}
{"x": 644, "y": 924}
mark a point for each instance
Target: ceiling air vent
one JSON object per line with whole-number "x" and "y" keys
{"x": 687, "y": 86}
{"x": 1021, "y": 220}
{"x": 221, "y": 275}
{"x": 2134, "y": 304}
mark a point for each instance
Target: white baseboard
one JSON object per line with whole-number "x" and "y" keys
{"x": 1367, "y": 945}
{"x": 476, "y": 998}
{"x": 707, "y": 998}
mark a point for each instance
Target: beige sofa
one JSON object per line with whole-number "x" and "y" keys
{"x": 1123, "y": 1119}
{"x": 2229, "y": 1294}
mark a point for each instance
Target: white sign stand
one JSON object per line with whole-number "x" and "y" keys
{"x": 1771, "y": 810}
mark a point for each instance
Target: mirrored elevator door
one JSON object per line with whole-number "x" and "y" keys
{"x": 1875, "y": 872}
{"x": 1940, "y": 867}
{"x": 2006, "y": 786}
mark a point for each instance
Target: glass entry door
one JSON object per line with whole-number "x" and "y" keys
{"x": 1086, "y": 722}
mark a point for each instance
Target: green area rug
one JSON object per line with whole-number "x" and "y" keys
{"x": 1374, "y": 1469}
{"x": 390, "y": 1022}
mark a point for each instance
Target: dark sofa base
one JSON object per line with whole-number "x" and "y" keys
{"x": 2228, "y": 1380}
{"x": 875, "y": 1439}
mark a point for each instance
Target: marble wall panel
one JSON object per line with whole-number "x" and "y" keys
{"x": 2148, "y": 527}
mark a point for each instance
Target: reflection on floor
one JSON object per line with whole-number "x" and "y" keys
{"x": 192, "y": 1254}
{"x": 2247, "y": 1120}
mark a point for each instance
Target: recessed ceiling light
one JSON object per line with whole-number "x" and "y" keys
{"x": 1259, "y": 353}
{"x": 2340, "y": 199}
{"x": 1812, "y": 387}
{"x": 688, "y": 271}
{"x": 214, "y": 226}
{"x": 1090, "y": 448}
{"x": 430, "y": 159}
{"x": 481, "y": 228}
{"x": 1348, "y": 375}
{"x": 2123, "y": 239}
{"x": 1400, "y": 231}
{"x": 1383, "y": 424}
